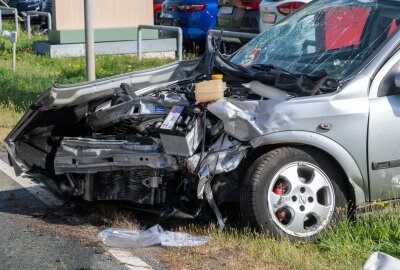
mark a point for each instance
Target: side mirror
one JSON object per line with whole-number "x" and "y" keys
{"x": 397, "y": 80}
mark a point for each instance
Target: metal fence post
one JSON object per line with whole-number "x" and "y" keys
{"x": 13, "y": 36}
{"x": 49, "y": 21}
{"x": 38, "y": 13}
{"x": 29, "y": 25}
{"x": 139, "y": 43}
{"x": 14, "y": 39}
{"x": 1, "y": 20}
{"x": 16, "y": 20}
{"x": 180, "y": 44}
{"x": 89, "y": 39}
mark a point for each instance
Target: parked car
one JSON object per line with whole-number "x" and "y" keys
{"x": 239, "y": 15}
{"x": 26, "y": 5}
{"x": 302, "y": 129}
{"x": 272, "y": 11}
{"x": 195, "y": 17}
{"x": 157, "y": 9}
{"x": 30, "y": 5}
{"x": 47, "y": 6}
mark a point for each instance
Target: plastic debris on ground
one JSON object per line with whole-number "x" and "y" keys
{"x": 381, "y": 261}
{"x": 155, "y": 236}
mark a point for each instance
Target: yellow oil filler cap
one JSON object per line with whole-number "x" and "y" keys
{"x": 217, "y": 77}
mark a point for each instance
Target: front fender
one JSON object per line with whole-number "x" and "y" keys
{"x": 340, "y": 154}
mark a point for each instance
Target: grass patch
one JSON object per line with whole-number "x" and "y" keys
{"x": 346, "y": 245}
{"x": 35, "y": 74}
{"x": 110, "y": 214}
{"x": 9, "y": 116}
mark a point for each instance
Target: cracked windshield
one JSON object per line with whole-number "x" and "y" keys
{"x": 335, "y": 37}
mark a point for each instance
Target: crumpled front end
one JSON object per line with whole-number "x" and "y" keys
{"x": 140, "y": 138}
{"x": 173, "y": 139}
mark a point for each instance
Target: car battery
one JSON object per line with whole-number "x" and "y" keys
{"x": 181, "y": 132}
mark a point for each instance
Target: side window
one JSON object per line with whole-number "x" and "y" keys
{"x": 305, "y": 38}
{"x": 388, "y": 85}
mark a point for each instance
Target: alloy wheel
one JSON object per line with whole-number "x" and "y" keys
{"x": 301, "y": 199}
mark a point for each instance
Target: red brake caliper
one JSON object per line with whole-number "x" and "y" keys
{"x": 279, "y": 189}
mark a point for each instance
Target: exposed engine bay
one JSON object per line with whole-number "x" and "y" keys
{"x": 152, "y": 150}
{"x": 162, "y": 145}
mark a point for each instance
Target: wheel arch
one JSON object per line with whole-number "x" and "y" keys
{"x": 325, "y": 145}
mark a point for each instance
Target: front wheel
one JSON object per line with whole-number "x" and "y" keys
{"x": 293, "y": 192}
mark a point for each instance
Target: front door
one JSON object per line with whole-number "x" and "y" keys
{"x": 384, "y": 133}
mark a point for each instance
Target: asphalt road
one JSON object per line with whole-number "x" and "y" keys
{"x": 27, "y": 245}
{"x": 64, "y": 239}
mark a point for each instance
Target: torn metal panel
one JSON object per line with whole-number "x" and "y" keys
{"x": 204, "y": 189}
{"x": 68, "y": 95}
{"x": 247, "y": 119}
{"x": 210, "y": 198}
{"x": 224, "y": 155}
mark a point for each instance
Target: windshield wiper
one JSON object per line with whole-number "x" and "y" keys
{"x": 268, "y": 67}
{"x": 239, "y": 67}
{"x": 298, "y": 84}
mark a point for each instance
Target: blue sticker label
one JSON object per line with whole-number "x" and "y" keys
{"x": 159, "y": 109}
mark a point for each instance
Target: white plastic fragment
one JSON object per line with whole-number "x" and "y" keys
{"x": 381, "y": 261}
{"x": 176, "y": 239}
{"x": 156, "y": 235}
{"x": 114, "y": 237}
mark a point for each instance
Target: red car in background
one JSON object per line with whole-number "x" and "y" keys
{"x": 157, "y": 8}
{"x": 338, "y": 33}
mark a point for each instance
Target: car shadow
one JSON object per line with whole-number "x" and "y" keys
{"x": 20, "y": 201}
{"x": 73, "y": 212}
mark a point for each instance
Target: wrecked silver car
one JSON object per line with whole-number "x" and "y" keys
{"x": 302, "y": 121}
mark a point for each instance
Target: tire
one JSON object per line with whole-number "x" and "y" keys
{"x": 293, "y": 193}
